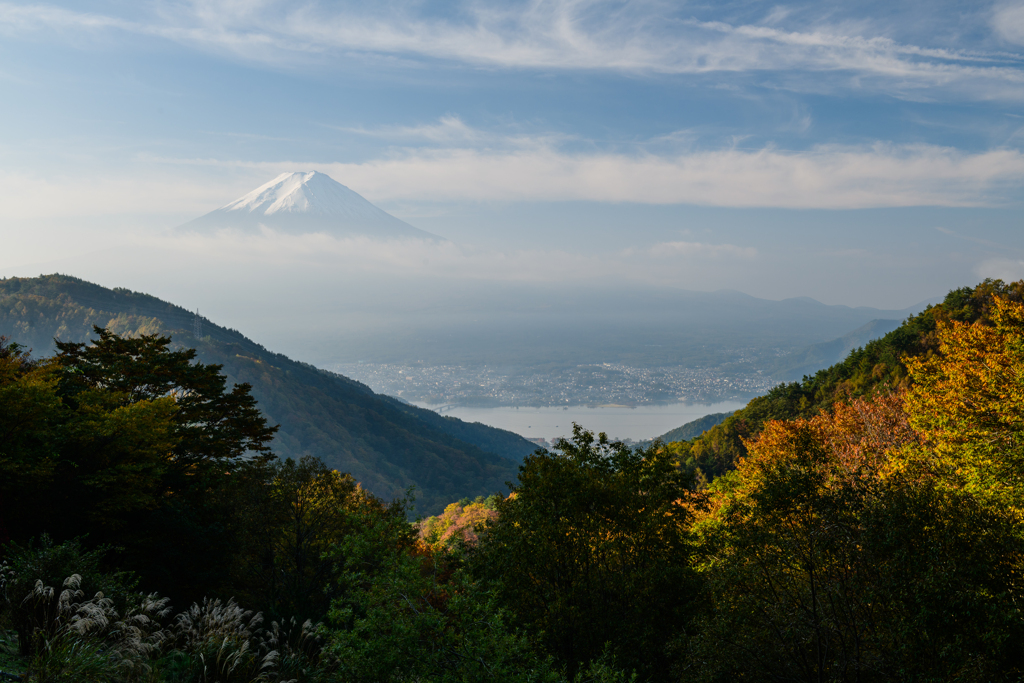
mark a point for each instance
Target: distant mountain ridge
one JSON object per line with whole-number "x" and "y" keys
{"x": 386, "y": 445}
{"x": 307, "y": 202}
{"x": 816, "y": 357}
{"x": 526, "y": 323}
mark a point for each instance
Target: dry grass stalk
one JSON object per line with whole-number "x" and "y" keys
{"x": 213, "y": 642}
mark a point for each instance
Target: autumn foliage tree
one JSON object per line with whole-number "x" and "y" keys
{"x": 866, "y": 524}
{"x": 461, "y": 522}
{"x": 968, "y": 402}
{"x": 881, "y": 540}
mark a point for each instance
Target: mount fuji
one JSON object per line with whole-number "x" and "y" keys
{"x": 307, "y": 202}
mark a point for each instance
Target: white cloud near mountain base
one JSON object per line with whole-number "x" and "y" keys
{"x": 825, "y": 177}
{"x": 359, "y": 256}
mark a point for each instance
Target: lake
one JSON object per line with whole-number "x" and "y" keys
{"x": 620, "y": 422}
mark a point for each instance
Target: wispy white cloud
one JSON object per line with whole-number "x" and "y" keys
{"x": 826, "y": 177}
{"x": 645, "y": 37}
{"x": 452, "y": 130}
{"x": 359, "y": 254}
{"x": 448, "y": 260}
{"x": 35, "y": 17}
{"x": 152, "y": 190}
{"x": 448, "y": 129}
{"x": 1008, "y": 22}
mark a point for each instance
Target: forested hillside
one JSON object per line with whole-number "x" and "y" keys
{"x": 877, "y": 366}
{"x": 386, "y": 445}
{"x": 694, "y": 428}
{"x": 871, "y": 532}
{"x": 815, "y": 357}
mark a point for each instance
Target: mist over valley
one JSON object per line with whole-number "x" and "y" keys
{"x": 309, "y": 268}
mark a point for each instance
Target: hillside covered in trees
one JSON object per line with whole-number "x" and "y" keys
{"x": 694, "y": 428}
{"x": 877, "y": 366}
{"x": 868, "y": 527}
{"x": 387, "y": 445}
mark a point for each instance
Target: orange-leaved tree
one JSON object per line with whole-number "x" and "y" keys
{"x": 831, "y": 554}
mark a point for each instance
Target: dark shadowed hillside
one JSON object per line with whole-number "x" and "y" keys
{"x": 388, "y": 446}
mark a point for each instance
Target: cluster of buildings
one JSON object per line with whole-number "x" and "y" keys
{"x": 597, "y": 384}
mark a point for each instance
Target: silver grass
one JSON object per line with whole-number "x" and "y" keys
{"x": 224, "y": 642}
{"x": 228, "y": 643}
{"x": 127, "y": 641}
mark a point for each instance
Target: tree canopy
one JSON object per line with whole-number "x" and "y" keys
{"x": 591, "y": 547}
{"x": 873, "y": 532}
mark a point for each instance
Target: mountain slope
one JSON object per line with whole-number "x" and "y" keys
{"x": 694, "y": 428}
{"x": 794, "y": 366}
{"x": 306, "y": 202}
{"x": 877, "y": 366}
{"x": 386, "y": 445}
{"x": 825, "y": 354}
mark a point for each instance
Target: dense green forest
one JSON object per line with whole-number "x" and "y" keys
{"x": 866, "y": 526}
{"x": 387, "y": 445}
{"x": 694, "y": 428}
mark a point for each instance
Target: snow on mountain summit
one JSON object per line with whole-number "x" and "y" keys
{"x": 305, "y": 202}
{"x": 313, "y": 193}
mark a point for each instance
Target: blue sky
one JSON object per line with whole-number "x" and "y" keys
{"x": 866, "y": 153}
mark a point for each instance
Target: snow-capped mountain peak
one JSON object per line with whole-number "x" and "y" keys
{"x": 305, "y": 202}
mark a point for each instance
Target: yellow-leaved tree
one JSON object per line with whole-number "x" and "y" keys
{"x": 967, "y": 402}
{"x": 844, "y": 548}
